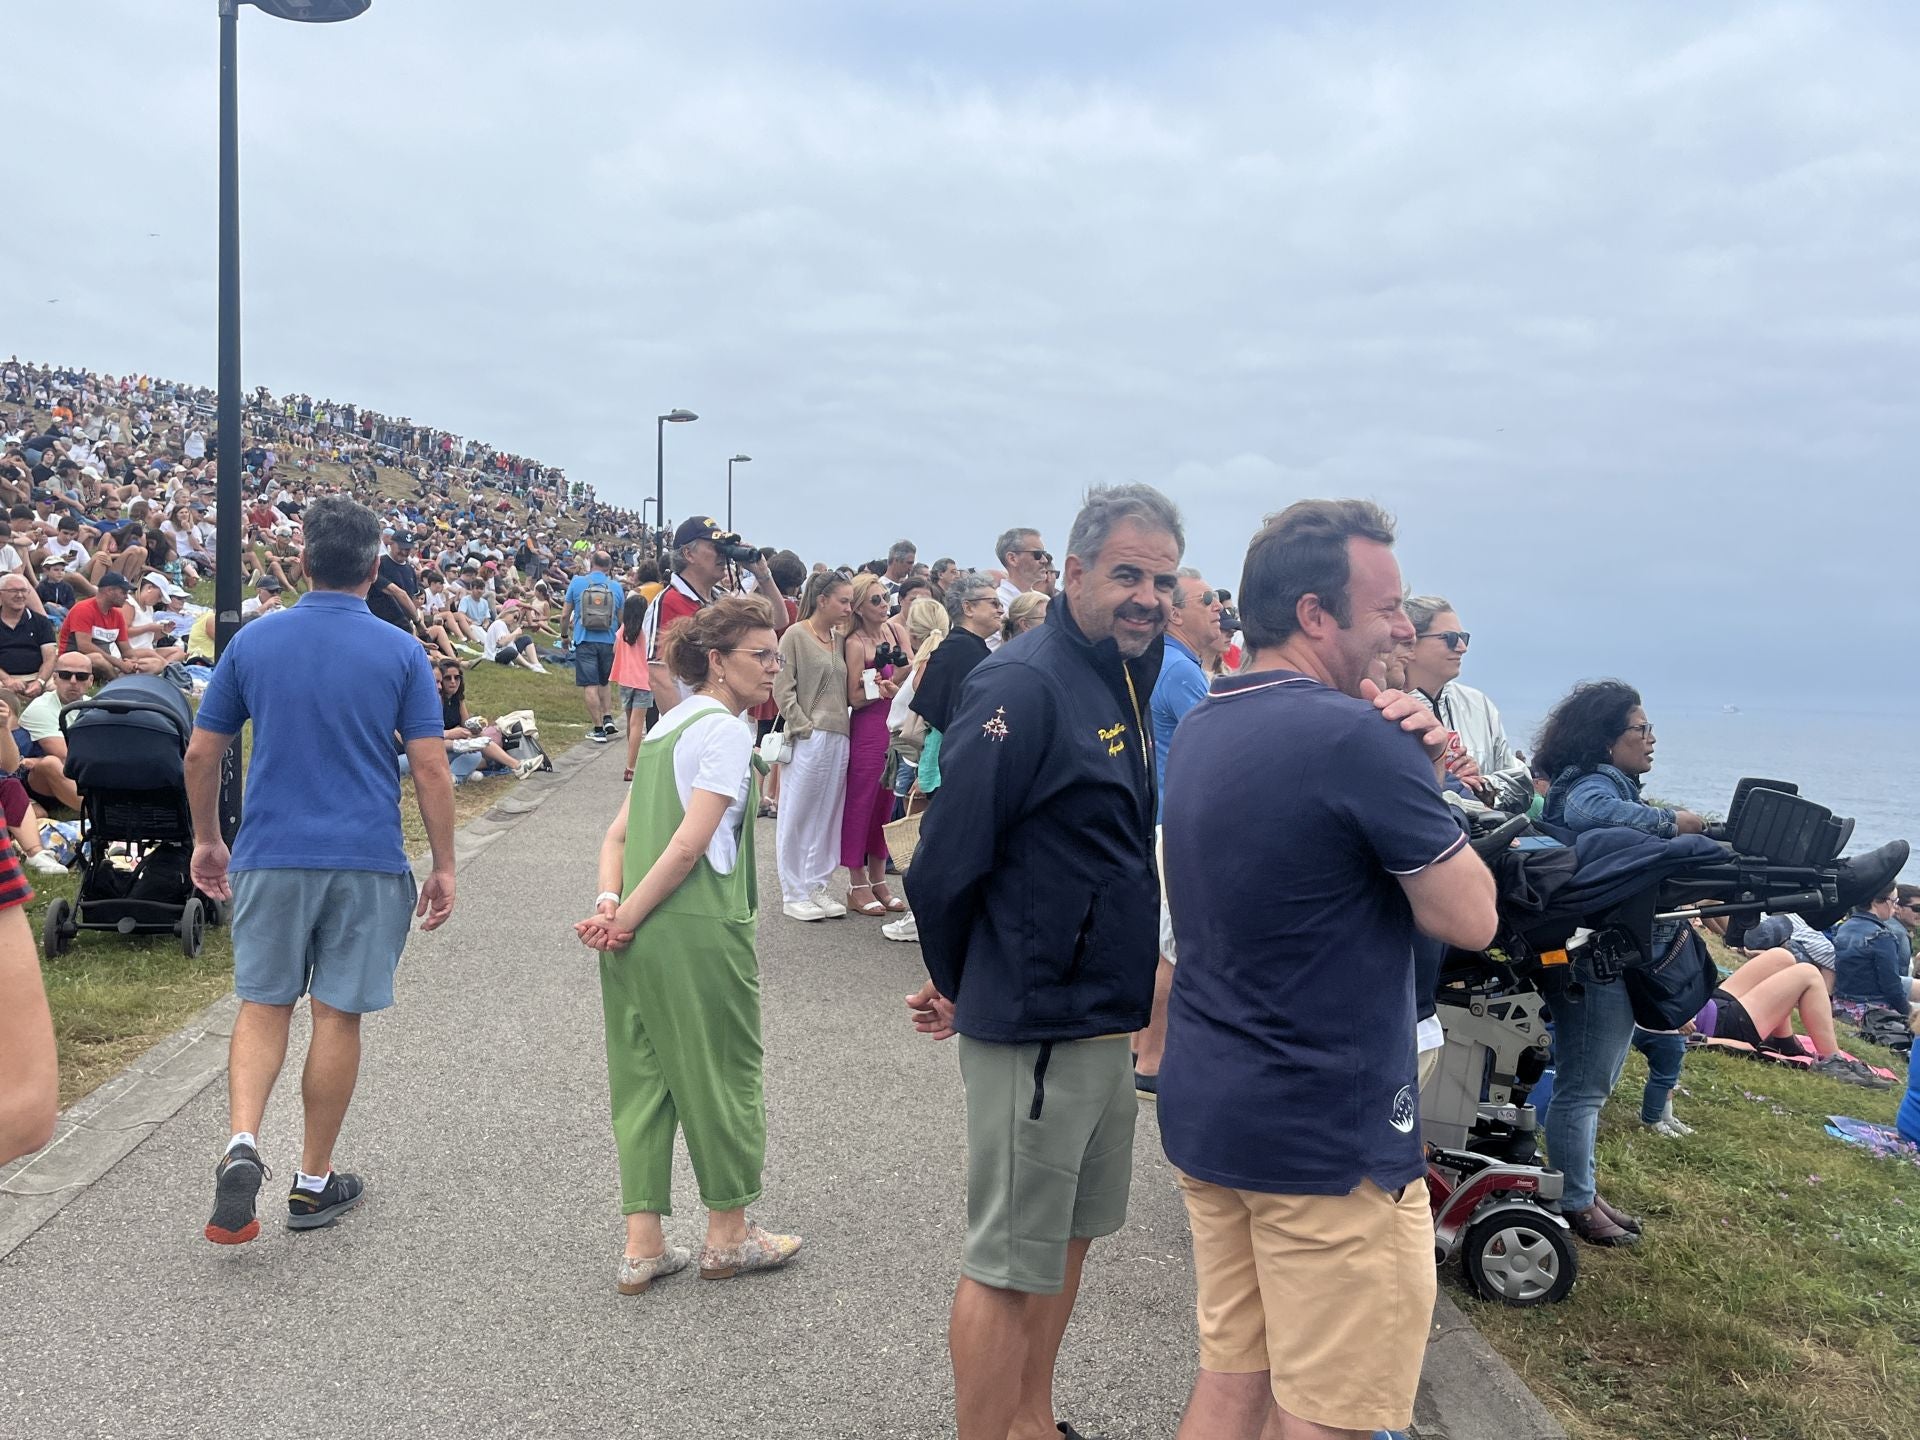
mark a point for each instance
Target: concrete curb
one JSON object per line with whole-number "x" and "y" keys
{"x": 1467, "y": 1392}
{"x": 102, "y": 1128}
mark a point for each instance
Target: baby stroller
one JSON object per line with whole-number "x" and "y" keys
{"x": 126, "y": 748}
{"x": 1597, "y": 895}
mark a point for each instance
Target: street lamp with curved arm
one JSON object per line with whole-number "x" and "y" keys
{"x": 679, "y": 416}
{"x": 736, "y": 460}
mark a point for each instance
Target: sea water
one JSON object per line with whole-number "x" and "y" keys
{"x": 1860, "y": 764}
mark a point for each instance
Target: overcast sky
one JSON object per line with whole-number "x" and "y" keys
{"x": 1613, "y": 306}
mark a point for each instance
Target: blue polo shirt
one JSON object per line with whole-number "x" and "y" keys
{"x": 577, "y": 587}
{"x": 326, "y": 684}
{"x": 1181, "y": 686}
{"x": 1291, "y": 809}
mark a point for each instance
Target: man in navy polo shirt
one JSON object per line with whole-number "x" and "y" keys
{"x": 322, "y": 891}
{"x": 1306, "y": 840}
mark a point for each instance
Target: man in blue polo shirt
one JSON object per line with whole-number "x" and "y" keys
{"x": 1306, "y": 840}
{"x": 322, "y": 892}
{"x": 591, "y": 616}
{"x": 1194, "y": 644}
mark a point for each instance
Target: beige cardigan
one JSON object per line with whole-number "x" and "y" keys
{"x": 811, "y": 689}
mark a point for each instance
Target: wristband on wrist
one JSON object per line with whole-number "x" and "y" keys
{"x": 604, "y": 896}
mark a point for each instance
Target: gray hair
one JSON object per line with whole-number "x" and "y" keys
{"x": 969, "y": 585}
{"x": 1107, "y": 505}
{"x": 342, "y": 542}
{"x": 1186, "y": 572}
{"x": 902, "y": 550}
{"x": 1422, "y": 608}
{"x": 1009, "y": 541}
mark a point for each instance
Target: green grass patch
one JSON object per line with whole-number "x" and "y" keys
{"x": 1776, "y": 1295}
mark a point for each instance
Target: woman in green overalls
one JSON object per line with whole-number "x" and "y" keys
{"x": 678, "y": 978}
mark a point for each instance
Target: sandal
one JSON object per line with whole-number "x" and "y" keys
{"x": 890, "y": 900}
{"x": 872, "y": 907}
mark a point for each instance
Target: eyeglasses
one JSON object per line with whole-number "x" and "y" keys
{"x": 769, "y": 659}
{"x": 1644, "y": 728}
{"x": 1455, "y": 639}
{"x": 876, "y": 599}
{"x": 1042, "y": 556}
{"x": 993, "y": 600}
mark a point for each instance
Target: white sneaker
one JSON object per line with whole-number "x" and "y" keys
{"x": 1668, "y": 1128}
{"x": 905, "y": 928}
{"x": 802, "y": 910}
{"x": 526, "y": 767}
{"x": 827, "y": 905}
{"x": 43, "y": 862}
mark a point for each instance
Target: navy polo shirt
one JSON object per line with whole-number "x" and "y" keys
{"x": 326, "y": 684}
{"x": 1290, "y": 811}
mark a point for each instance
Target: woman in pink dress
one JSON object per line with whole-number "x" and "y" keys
{"x": 874, "y": 647}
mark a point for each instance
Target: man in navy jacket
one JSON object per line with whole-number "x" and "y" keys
{"x": 1037, "y": 900}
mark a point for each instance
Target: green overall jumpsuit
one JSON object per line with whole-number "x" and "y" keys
{"x": 682, "y": 1005}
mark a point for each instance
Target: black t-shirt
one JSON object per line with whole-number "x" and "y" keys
{"x": 392, "y": 572}
{"x": 20, "y": 644}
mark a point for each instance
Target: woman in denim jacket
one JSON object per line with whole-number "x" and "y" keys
{"x": 1596, "y": 745}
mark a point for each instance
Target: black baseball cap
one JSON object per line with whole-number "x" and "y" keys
{"x": 704, "y": 528}
{"x": 267, "y": 582}
{"x": 112, "y": 579}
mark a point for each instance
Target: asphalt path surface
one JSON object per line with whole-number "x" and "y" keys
{"x": 472, "y": 1293}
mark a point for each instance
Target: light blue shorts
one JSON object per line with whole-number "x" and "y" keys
{"x": 334, "y": 934}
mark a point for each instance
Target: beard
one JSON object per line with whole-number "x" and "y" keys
{"x": 1132, "y": 644}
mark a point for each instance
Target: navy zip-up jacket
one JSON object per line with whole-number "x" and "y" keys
{"x": 1034, "y": 885}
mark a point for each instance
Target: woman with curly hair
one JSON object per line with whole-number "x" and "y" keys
{"x": 1596, "y": 744}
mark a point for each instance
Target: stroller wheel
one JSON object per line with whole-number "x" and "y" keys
{"x": 1518, "y": 1260}
{"x": 55, "y": 932}
{"x": 192, "y": 927}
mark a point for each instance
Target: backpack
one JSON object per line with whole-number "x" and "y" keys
{"x": 596, "y": 607}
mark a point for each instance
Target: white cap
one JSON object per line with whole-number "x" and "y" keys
{"x": 163, "y": 585}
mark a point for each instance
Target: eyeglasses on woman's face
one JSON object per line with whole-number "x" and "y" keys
{"x": 1644, "y": 730}
{"x": 769, "y": 659}
{"x": 1453, "y": 639}
{"x": 994, "y": 600}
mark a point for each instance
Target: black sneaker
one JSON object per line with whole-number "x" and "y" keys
{"x": 309, "y": 1211}
{"x": 606, "y": 724}
{"x": 599, "y": 734}
{"x": 236, "y": 1181}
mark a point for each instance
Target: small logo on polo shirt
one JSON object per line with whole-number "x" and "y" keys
{"x": 1114, "y": 736}
{"x": 996, "y": 726}
{"x": 1405, "y": 1111}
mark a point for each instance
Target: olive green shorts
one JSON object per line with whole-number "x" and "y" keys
{"x": 1049, "y": 1155}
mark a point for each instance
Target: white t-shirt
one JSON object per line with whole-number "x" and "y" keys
{"x": 493, "y": 637}
{"x": 715, "y": 754}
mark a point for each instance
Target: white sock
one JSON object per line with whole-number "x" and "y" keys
{"x": 312, "y": 1184}
{"x": 242, "y": 1137}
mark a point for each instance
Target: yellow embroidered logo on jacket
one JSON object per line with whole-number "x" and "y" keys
{"x": 1113, "y": 735}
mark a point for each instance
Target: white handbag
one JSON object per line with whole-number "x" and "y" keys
{"x": 776, "y": 747}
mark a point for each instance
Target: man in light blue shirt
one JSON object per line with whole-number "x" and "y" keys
{"x": 321, "y": 888}
{"x": 594, "y": 602}
{"x": 1194, "y": 644}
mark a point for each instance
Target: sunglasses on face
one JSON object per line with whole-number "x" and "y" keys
{"x": 1042, "y": 556}
{"x": 1454, "y": 639}
{"x": 73, "y": 674}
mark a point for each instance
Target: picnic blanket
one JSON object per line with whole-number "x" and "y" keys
{"x": 1881, "y": 1140}
{"x": 1800, "y": 1061}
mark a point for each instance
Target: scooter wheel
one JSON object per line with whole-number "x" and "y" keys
{"x": 1518, "y": 1260}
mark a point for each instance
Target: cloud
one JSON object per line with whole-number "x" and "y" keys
{"x": 1614, "y": 308}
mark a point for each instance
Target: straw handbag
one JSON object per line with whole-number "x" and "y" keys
{"x": 903, "y": 835}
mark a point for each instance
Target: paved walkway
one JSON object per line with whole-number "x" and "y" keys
{"x": 472, "y": 1295}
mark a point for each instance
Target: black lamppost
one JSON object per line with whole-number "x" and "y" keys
{"x": 227, "y": 512}
{"x": 678, "y": 417}
{"x": 736, "y": 460}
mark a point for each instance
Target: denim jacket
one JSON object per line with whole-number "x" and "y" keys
{"x": 1600, "y": 797}
{"x": 1870, "y": 961}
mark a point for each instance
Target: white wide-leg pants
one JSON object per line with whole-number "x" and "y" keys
{"x": 813, "y": 793}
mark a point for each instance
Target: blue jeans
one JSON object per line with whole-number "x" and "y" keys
{"x": 1665, "y": 1055}
{"x": 1592, "y": 1028}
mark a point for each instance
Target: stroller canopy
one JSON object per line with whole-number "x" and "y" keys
{"x": 131, "y": 736}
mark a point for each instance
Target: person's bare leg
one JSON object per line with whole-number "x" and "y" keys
{"x": 326, "y": 1085}
{"x": 1771, "y": 1005}
{"x": 1046, "y": 1321}
{"x": 255, "y": 1053}
{"x": 987, "y": 1339}
{"x": 636, "y": 732}
{"x": 726, "y": 1228}
{"x": 1151, "y": 1043}
{"x": 1766, "y": 963}
{"x": 645, "y": 1238}
{"x": 1227, "y": 1406}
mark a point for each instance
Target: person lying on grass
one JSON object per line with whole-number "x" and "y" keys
{"x": 1756, "y": 1006}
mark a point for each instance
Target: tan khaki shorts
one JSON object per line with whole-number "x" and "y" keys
{"x": 1331, "y": 1293}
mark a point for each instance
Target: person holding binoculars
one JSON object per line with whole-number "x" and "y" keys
{"x": 877, "y": 660}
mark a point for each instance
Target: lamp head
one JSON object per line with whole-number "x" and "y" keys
{"x": 680, "y": 417}
{"x": 739, "y": 459}
{"x": 314, "y": 12}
